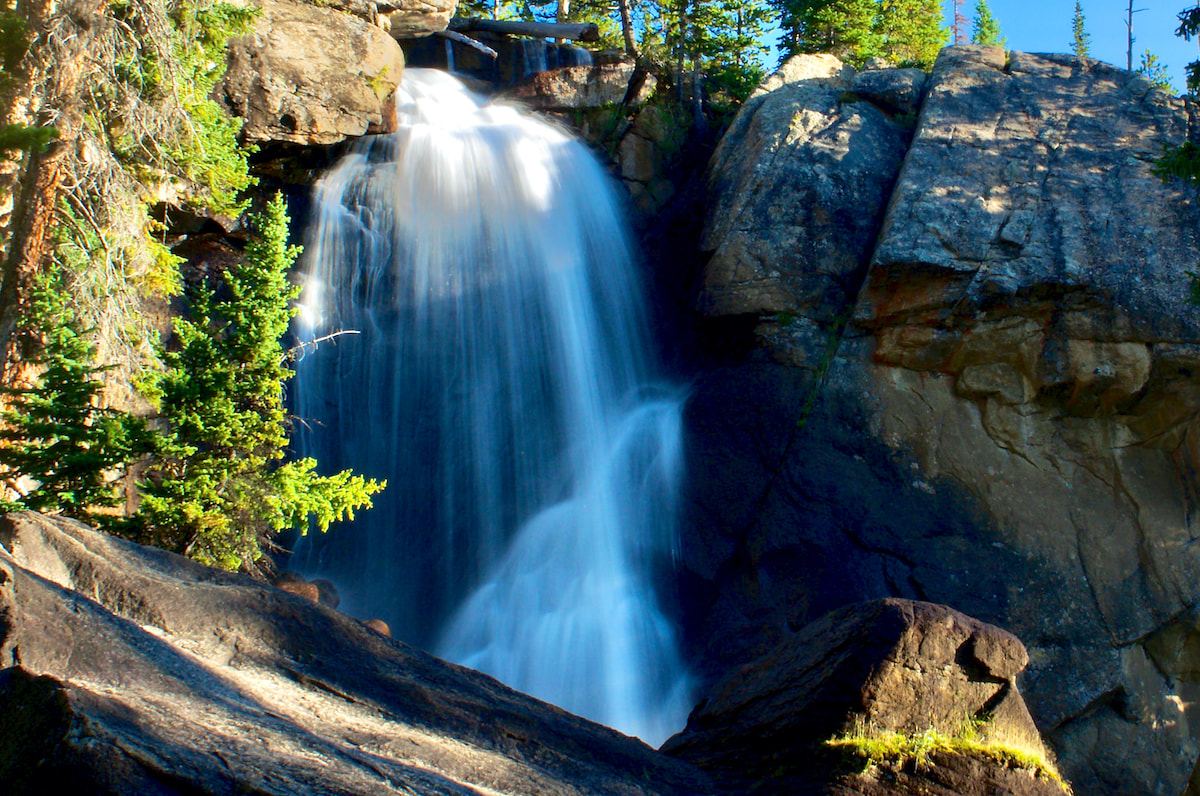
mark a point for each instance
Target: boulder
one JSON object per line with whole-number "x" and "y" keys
{"x": 1006, "y": 424}
{"x": 896, "y": 91}
{"x": 799, "y": 184}
{"x": 411, "y": 18}
{"x": 309, "y": 75}
{"x": 581, "y": 87}
{"x": 128, "y": 670}
{"x": 894, "y": 666}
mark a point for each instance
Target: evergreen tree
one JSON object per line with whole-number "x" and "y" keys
{"x": 1081, "y": 40}
{"x": 63, "y": 452}
{"x": 218, "y": 490}
{"x": 910, "y": 32}
{"x": 1183, "y": 161}
{"x": 729, "y": 44}
{"x": 1156, "y": 72}
{"x": 986, "y": 29}
{"x": 845, "y": 28}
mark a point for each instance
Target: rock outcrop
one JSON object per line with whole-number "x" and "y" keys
{"x": 580, "y": 88}
{"x": 894, "y": 666}
{"x": 127, "y": 670}
{"x": 799, "y": 183}
{"x": 990, "y": 404}
{"x": 311, "y": 74}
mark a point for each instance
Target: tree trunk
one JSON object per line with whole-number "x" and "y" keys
{"x": 577, "y": 31}
{"x": 627, "y": 28}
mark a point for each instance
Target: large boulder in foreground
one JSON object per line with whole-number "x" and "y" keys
{"x": 889, "y": 666}
{"x": 1007, "y": 424}
{"x": 310, "y": 74}
{"x": 127, "y": 670}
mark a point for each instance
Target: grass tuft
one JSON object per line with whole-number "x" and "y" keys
{"x": 972, "y": 736}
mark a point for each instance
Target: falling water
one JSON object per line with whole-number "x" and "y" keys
{"x": 500, "y": 383}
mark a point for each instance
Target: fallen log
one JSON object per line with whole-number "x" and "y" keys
{"x": 454, "y": 35}
{"x": 576, "y": 31}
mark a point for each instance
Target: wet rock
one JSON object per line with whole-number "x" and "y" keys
{"x": 581, "y": 87}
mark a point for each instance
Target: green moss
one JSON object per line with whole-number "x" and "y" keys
{"x": 871, "y": 745}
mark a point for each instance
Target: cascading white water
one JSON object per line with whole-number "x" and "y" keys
{"x": 501, "y": 385}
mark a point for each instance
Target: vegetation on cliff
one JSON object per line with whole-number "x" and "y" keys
{"x": 905, "y": 32}
{"x": 980, "y": 737}
{"x": 63, "y": 451}
{"x": 121, "y": 93}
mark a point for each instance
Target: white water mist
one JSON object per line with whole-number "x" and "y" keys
{"x": 501, "y": 384}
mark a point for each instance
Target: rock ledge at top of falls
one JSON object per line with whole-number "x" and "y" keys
{"x": 890, "y": 665}
{"x": 127, "y": 670}
{"x": 992, "y": 402}
{"x": 311, "y": 74}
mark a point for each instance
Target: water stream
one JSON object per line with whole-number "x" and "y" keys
{"x": 501, "y": 382}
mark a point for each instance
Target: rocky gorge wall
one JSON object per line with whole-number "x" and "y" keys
{"x": 965, "y": 372}
{"x": 946, "y": 355}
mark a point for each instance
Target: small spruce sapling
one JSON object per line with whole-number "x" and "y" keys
{"x": 220, "y": 489}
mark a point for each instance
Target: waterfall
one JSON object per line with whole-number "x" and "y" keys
{"x": 500, "y": 381}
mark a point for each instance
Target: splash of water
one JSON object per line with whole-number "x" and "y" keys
{"x": 501, "y": 384}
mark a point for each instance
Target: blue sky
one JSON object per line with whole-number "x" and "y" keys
{"x": 1040, "y": 26}
{"x": 1045, "y": 26}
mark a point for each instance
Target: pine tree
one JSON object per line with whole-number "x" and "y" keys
{"x": 986, "y": 29}
{"x": 63, "y": 452}
{"x": 910, "y": 32}
{"x": 1081, "y": 40}
{"x": 845, "y": 28}
{"x": 729, "y": 44}
{"x": 1156, "y": 72}
{"x": 219, "y": 490}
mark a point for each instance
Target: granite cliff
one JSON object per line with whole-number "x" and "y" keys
{"x": 958, "y": 365}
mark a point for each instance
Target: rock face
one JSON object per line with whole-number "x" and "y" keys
{"x": 580, "y": 87}
{"x": 997, "y": 414}
{"x": 310, "y": 74}
{"x": 127, "y": 670}
{"x": 892, "y": 665}
{"x": 799, "y": 185}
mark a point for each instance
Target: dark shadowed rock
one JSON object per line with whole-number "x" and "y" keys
{"x": 127, "y": 670}
{"x": 895, "y": 91}
{"x": 892, "y": 665}
{"x": 1007, "y": 423}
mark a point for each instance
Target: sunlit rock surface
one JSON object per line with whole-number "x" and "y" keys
{"x": 311, "y": 74}
{"x": 1006, "y": 423}
{"x": 887, "y": 665}
{"x": 127, "y": 670}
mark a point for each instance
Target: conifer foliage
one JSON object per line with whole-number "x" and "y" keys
{"x": 62, "y": 451}
{"x": 1081, "y": 40}
{"x": 219, "y": 489}
{"x": 986, "y": 29}
{"x": 905, "y": 32}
